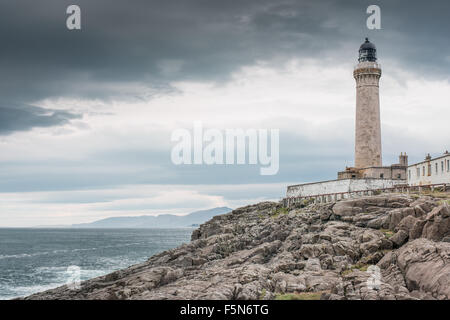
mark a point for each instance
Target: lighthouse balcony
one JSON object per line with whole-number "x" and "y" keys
{"x": 367, "y": 65}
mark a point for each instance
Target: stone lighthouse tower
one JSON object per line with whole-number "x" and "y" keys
{"x": 368, "y": 174}
{"x": 367, "y": 127}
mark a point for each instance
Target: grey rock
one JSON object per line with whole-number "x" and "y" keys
{"x": 259, "y": 251}
{"x": 399, "y": 238}
{"x": 437, "y": 224}
{"x": 407, "y": 223}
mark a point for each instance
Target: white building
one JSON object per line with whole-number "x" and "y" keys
{"x": 430, "y": 171}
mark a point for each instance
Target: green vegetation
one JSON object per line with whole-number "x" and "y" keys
{"x": 280, "y": 211}
{"x": 358, "y": 266}
{"x": 436, "y": 193}
{"x": 388, "y": 233}
{"x": 300, "y": 296}
{"x": 346, "y": 272}
{"x": 306, "y": 202}
{"x": 361, "y": 267}
{"x": 263, "y": 294}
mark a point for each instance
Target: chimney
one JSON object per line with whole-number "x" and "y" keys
{"x": 403, "y": 159}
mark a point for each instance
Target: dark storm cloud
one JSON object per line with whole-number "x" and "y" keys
{"x": 154, "y": 42}
{"x": 15, "y": 117}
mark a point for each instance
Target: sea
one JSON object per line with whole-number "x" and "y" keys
{"x": 34, "y": 260}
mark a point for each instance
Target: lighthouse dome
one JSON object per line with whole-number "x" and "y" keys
{"x": 367, "y": 51}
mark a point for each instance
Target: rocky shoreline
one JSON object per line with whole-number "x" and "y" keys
{"x": 390, "y": 246}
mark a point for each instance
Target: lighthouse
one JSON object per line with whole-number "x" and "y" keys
{"x": 367, "y": 121}
{"x": 368, "y": 173}
{"x": 368, "y": 152}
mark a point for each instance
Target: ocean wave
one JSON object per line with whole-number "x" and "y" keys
{"x": 27, "y": 255}
{"x": 22, "y": 291}
{"x": 31, "y": 265}
{"x": 59, "y": 278}
{"x": 23, "y": 255}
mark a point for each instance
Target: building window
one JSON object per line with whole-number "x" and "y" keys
{"x": 418, "y": 172}
{"x": 409, "y": 174}
{"x": 442, "y": 167}
{"x": 448, "y": 165}
{"x": 381, "y": 175}
{"x": 436, "y": 168}
{"x": 399, "y": 176}
{"x": 423, "y": 171}
{"x": 429, "y": 169}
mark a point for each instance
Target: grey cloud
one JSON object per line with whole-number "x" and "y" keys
{"x": 155, "y": 42}
{"x": 130, "y": 41}
{"x": 16, "y": 117}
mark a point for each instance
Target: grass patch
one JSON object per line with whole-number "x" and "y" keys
{"x": 346, "y": 272}
{"x": 362, "y": 267}
{"x": 306, "y": 202}
{"x": 435, "y": 194}
{"x": 263, "y": 294}
{"x": 358, "y": 266}
{"x": 280, "y": 211}
{"x": 300, "y": 296}
{"x": 388, "y": 233}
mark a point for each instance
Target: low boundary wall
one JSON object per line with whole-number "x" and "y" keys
{"x": 336, "y": 196}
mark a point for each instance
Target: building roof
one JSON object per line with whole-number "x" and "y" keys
{"x": 367, "y": 52}
{"x": 445, "y": 155}
{"x": 367, "y": 45}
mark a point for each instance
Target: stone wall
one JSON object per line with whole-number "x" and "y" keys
{"x": 391, "y": 172}
{"x": 343, "y": 185}
{"x": 394, "y": 172}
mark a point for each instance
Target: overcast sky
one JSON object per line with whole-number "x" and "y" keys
{"x": 86, "y": 116}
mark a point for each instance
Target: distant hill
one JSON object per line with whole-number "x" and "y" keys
{"x": 162, "y": 221}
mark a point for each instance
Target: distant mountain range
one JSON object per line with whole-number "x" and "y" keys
{"x": 161, "y": 221}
